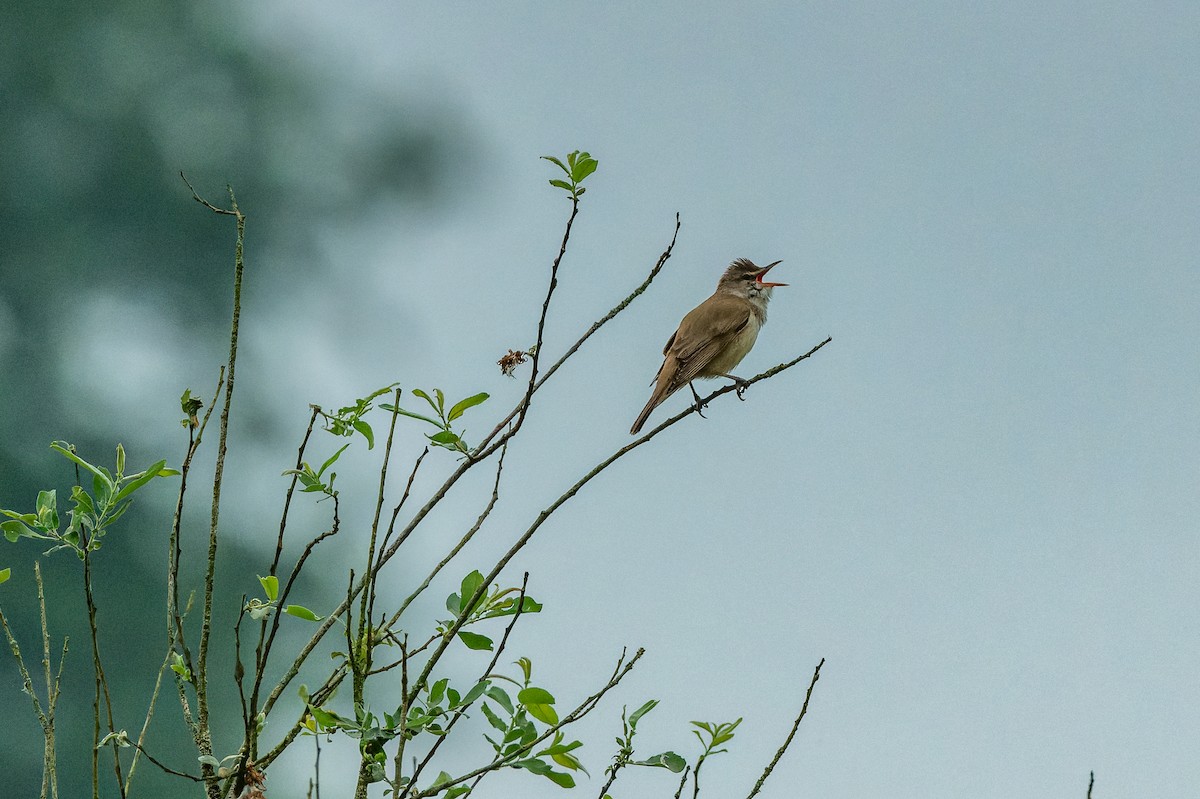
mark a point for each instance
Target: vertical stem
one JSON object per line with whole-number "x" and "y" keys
{"x": 101, "y": 684}
{"x": 203, "y": 732}
{"x": 50, "y": 767}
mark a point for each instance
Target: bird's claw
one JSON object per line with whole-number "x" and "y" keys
{"x": 700, "y": 404}
{"x": 740, "y": 389}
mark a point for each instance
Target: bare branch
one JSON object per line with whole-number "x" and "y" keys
{"x": 599, "y": 323}
{"x": 403, "y": 498}
{"x": 487, "y": 511}
{"x": 167, "y": 769}
{"x": 202, "y": 732}
{"x": 788, "y": 741}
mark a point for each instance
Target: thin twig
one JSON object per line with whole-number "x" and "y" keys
{"x": 101, "y": 679}
{"x": 403, "y": 498}
{"x": 175, "y": 635}
{"x": 46, "y": 716}
{"x": 1091, "y": 782}
{"x": 261, "y": 666}
{"x": 53, "y": 689}
{"x": 366, "y": 609}
{"x": 164, "y": 767}
{"x": 149, "y": 715}
{"x": 487, "y": 511}
{"x": 683, "y": 781}
{"x": 402, "y": 734}
{"x": 599, "y": 323}
{"x": 287, "y": 498}
{"x": 788, "y": 741}
{"x": 201, "y": 674}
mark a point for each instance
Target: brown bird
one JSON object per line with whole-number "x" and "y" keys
{"x": 715, "y": 335}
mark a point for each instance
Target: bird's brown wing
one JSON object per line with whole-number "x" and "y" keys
{"x": 704, "y": 333}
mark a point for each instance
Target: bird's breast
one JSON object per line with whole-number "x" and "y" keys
{"x": 738, "y": 347}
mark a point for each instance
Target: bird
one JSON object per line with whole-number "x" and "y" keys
{"x": 715, "y": 336}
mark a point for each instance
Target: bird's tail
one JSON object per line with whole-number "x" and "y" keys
{"x": 663, "y": 388}
{"x": 645, "y": 414}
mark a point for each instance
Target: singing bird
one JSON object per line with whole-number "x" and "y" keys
{"x": 715, "y": 335}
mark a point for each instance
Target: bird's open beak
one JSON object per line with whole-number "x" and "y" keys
{"x": 759, "y": 278}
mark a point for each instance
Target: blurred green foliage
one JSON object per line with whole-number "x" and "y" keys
{"x": 103, "y": 106}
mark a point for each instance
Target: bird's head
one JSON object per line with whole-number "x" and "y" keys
{"x": 744, "y": 279}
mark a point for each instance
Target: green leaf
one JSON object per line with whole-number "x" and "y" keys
{"x": 326, "y": 718}
{"x": 120, "y": 738}
{"x": 120, "y": 460}
{"x": 500, "y": 697}
{"x": 437, "y": 691}
{"x": 532, "y": 764}
{"x": 526, "y": 667}
{"x": 101, "y": 489}
{"x": 445, "y": 437}
{"x": 330, "y": 462}
{"x": 209, "y": 760}
{"x": 118, "y": 513}
{"x": 462, "y": 405}
{"x": 418, "y": 392}
{"x": 454, "y": 604}
{"x": 558, "y": 747}
{"x": 475, "y": 641}
{"x": 470, "y": 584}
{"x": 531, "y": 696}
{"x": 411, "y": 415}
{"x": 270, "y": 585}
{"x": 668, "y": 760}
{"x": 82, "y": 500}
{"x": 641, "y": 711}
{"x": 542, "y": 712}
{"x": 561, "y": 184}
{"x": 62, "y": 447}
{"x": 583, "y": 168}
{"x": 493, "y": 719}
{"x": 568, "y": 761}
{"x": 301, "y": 612}
{"x": 367, "y": 432}
{"x": 472, "y": 694}
{"x": 47, "y": 508}
{"x": 5, "y": 574}
{"x": 14, "y": 530}
{"x": 556, "y": 162}
{"x": 139, "y": 481}
{"x": 180, "y": 668}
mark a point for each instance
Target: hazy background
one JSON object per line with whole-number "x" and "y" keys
{"x": 978, "y": 502}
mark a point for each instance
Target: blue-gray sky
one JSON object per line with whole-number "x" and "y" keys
{"x": 978, "y": 503}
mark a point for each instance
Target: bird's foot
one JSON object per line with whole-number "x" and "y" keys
{"x": 700, "y": 404}
{"x": 740, "y": 386}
